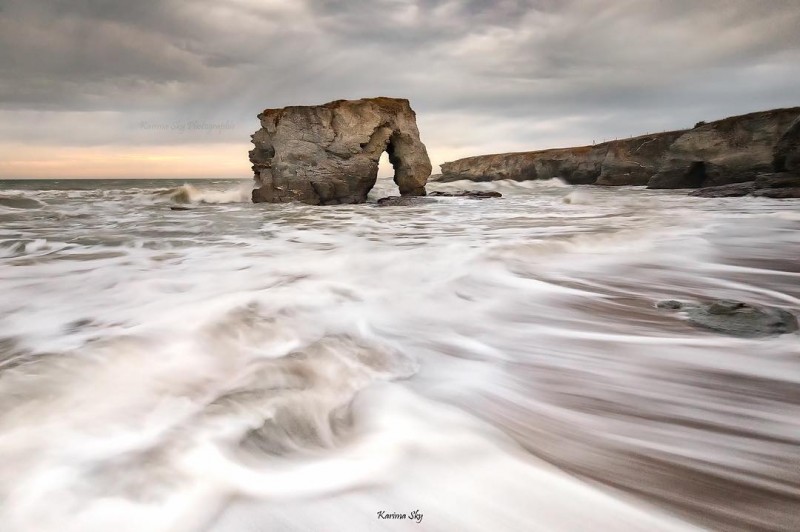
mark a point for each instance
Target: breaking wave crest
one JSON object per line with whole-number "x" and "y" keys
{"x": 191, "y": 194}
{"x": 19, "y": 202}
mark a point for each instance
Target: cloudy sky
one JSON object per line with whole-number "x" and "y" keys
{"x": 170, "y": 88}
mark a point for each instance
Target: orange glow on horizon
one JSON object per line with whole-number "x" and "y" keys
{"x": 181, "y": 161}
{"x": 125, "y": 162}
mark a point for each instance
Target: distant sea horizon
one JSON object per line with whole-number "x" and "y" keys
{"x": 121, "y": 178}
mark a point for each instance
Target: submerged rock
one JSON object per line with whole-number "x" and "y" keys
{"x": 476, "y": 194}
{"x": 725, "y": 191}
{"x": 735, "y": 318}
{"x": 671, "y": 304}
{"x": 328, "y": 154}
{"x": 784, "y": 193}
{"x": 405, "y": 201}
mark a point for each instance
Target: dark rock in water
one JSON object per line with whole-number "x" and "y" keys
{"x": 778, "y": 185}
{"x": 770, "y": 185}
{"x": 740, "y": 319}
{"x": 725, "y": 191}
{"x": 406, "y": 201}
{"x": 179, "y": 208}
{"x": 735, "y": 318}
{"x": 777, "y": 180}
{"x": 328, "y": 154}
{"x": 477, "y": 194}
{"x": 793, "y": 192}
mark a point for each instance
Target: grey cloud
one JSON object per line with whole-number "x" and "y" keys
{"x": 604, "y": 68}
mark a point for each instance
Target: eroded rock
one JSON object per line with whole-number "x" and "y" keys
{"x": 328, "y": 154}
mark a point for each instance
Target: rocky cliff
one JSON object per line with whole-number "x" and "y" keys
{"x": 786, "y": 155}
{"x": 328, "y": 154}
{"x": 732, "y": 150}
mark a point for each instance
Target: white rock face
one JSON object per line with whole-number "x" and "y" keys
{"x": 328, "y": 154}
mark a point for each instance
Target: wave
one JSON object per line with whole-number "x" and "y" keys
{"x": 308, "y": 366}
{"x": 190, "y": 194}
{"x": 20, "y": 202}
{"x": 578, "y": 197}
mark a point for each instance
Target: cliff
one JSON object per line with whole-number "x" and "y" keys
{"x": 786, "y": 155}
{"x": 731, "y": 150}
{"x": 328, "y": 154}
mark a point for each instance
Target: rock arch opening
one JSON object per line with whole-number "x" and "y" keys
{"x": 385, "y": 168}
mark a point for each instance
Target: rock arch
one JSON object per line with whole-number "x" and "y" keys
{"x": 328, "y": 154}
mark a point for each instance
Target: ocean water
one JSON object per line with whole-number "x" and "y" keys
{"x": 457, "y": 365}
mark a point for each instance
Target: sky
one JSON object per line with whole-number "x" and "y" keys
{"x": 170, "y": 88}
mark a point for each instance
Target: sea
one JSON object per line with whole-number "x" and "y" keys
{"x": 174, "y": 358}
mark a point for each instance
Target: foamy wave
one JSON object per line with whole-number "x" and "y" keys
{"x": 190, "y": 194}
{"x": 786, "y": 215}
{"x": 311, "y": 366}
{"x": 578, "y": 197}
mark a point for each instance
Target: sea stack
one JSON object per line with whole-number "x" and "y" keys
{"x": 328, "y": 154}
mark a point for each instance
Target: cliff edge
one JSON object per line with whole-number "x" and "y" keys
{"x": 732, "y": 150}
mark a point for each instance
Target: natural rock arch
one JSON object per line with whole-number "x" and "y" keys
{"x": 329, "y": 154}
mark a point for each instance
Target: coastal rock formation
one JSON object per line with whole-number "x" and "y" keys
{"x": 731, "y": 150}
{"x": 328, "y": 154}
{"x": 576, "y": 165}
{"x": 621, "y": 162}
{"x": 634, "y": 161}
